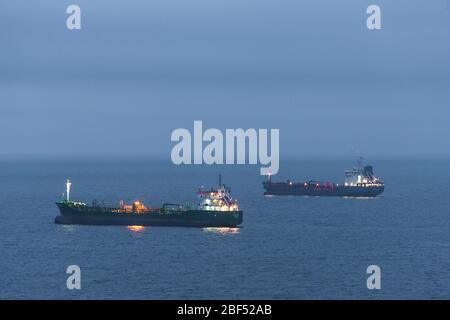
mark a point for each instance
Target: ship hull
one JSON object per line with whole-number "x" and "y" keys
{"x": 300, "y": 189}
{"x": 157, "y": 217}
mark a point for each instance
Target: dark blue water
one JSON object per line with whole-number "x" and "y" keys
{"x": 288, "y": 248}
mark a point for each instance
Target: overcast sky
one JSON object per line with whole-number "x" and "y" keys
{"x": 139, "y": 69}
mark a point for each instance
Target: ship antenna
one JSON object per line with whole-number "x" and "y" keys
{"x": 68, "y": 185}
{"x": 360, "y": 162}
{"x": 220, "y": 180}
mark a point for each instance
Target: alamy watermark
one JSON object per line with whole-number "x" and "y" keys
{"x": 73, "y": 21}
{"x": 74, "y": 280}
{"x": 374, "y": 280}
{"x": 241, "y": 146}
{"x": 373, "y": 21}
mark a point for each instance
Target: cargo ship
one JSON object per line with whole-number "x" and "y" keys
{"x": 359, "y": 182}
{"x": 216, "y": 209}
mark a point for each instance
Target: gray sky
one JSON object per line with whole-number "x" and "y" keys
{"x": 139, "y": 69}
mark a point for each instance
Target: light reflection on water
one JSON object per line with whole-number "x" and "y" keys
{"x": 361, "y": 198}
{"x": 68, "y": 227}
{"x": 136, "y": 229}
{"x": 223, "y": 230}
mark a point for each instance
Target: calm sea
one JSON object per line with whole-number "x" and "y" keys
{"x": 288, "y": 247}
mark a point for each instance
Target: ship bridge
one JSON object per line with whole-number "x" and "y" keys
{"x": 361, "y": 176}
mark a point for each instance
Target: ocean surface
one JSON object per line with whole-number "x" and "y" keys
{"x": 287, "y": 248}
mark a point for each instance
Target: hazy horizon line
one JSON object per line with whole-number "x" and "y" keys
{"x": 159, "y": 157}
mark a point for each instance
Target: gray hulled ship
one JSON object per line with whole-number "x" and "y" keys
{"x": 359, "y": 182}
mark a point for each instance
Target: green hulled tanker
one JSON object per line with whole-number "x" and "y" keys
{"x": 216, "y": 209}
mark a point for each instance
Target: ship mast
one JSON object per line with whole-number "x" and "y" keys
{"x": 360, "y": 162}
{"x": 68, "y": 185}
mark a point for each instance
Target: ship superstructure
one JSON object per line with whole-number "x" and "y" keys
{"x": 218, "y": 199}
{"x": 361, "y": 176}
